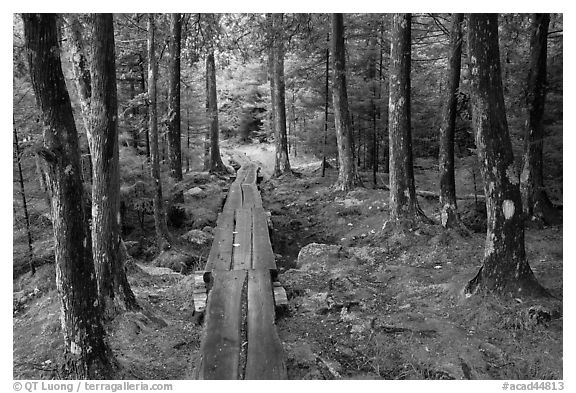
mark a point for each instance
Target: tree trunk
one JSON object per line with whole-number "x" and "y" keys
{"x": 86, "y": 352}
{"x": 271, "y": 62}
{"x": 80, "y": 66}
{"x": 174, "y": 148}
{"x": 536, "y": 204}
{"x": 81, "y": 72}
{"x": 187, "y": 140}
{"x": 386, "y": 96}
{"x": 403, "y": 202}
{"x": 448, "y": 208}
{"x": 114, "y": 291}
{"x": 162, "y": 235}
{"x": 133, "y": 112}
{"x": 147, "y": 112}
{"x": 371, "y": 76}
{"x": 347, "y": 173}
{"x": 216, "y": 164}
{"x": 23, "y": 195}
{"x": 326, "y": 101}
{"x": 505, "y": 269}
{"x": 282, "y": 163}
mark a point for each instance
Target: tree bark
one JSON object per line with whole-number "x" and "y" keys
{"x": 505, "y": 269}
{"x": 347, "y": 173}
{"x": 114, "y": 291}
{"x": 282, "y": 162}
{"x": 535, "y": 201}
{"x": 86, "y": 352}
{"x": 43, "y": 183}
{"x": 174, "y": 148}
{"x": 448, "y": 207}
{"x": 216, "y": 164}
{"x": 162, "y": 235}
{"x": 80, "y": 67}
{"x": 81, "y": 71}
{"x": 403, "y": 202}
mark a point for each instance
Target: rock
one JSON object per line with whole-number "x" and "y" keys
{"x": 316, "y": 256}
{"x": 208, "y": 229}
{"x": 194, "y": 192}
{"x": 156, "y": 271}
{"x": 179, "y": 261}
{"x": 197, "y": 237}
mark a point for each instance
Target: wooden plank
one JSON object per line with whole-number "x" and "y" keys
{"x": 250, "y": 175}
{"x": 234, "y": 199}
{"x": 242, "y": 254}
{"x": 199, "y": 293}
{"x": 280, "y": 296}
{"x": 263, "y": 256}
{"x": 220, "y": 257}
{"x": 220, "y": 350}
{"x": 241, "y": 174}
{"x": 251, "y": 196}
{"x": 265, "y": 356}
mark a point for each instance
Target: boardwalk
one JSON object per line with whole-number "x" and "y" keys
{"x": 239, "y": 339}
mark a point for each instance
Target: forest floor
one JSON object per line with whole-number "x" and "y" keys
{"x": 363, "y": 302}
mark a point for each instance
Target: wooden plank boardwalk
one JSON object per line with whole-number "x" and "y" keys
{"x": 239, "y": 339}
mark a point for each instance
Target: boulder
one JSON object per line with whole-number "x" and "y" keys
{"x": 196, "y": 192}
{"x": 198, "y": 238}
{"x": 317, "y": 256}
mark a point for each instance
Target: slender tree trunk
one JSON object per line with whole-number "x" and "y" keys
{"x": 535, "y": 201}
{"x": 207, "y": 134}
{"x": 271, "y": 62}
{"x": 282, "y": 163}
{"x": 403, "y": 202}
{"x": 86, "y": 352}
{"x": 187, "y": 140}
{"x": 114, "y": 291}
{"x": 24, "y": 204}
{"x": 326, "y": 101}
{"x": 174, "y": 148}
{"x": 448, "y": 208}
{"x": 147, "y": 111}
{"x": 133, "y": 113}
{"x": 81, "y": 71}
{"x": 505, "y": 269}
{"x": 347, "y": 173}
{"x": 216, "y": 164}
{"x": 162, "y": 235}
{"x": 80, "y": 67}
{"x": 386, "y": 95}
{"x": 371, "y": 77}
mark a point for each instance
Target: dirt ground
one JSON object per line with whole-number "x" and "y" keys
{"x": 363, "y": 303}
